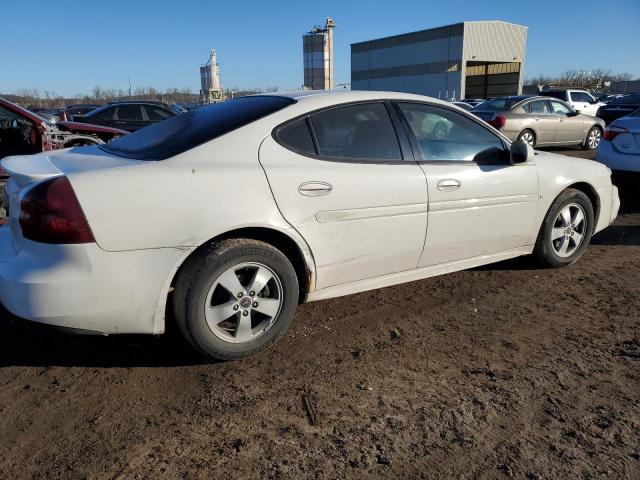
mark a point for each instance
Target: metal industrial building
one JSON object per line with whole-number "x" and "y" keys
{"x": 469, "y": 59}
{"x": 317, "y": 47}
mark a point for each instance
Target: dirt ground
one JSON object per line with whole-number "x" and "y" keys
{"x": 503, "y": 371}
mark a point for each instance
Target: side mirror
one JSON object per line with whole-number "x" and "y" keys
{"x": 521, "y": 152}
{"x": 573, "y": 113}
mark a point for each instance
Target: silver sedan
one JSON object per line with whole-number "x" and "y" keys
{"x": 541, "y": 121}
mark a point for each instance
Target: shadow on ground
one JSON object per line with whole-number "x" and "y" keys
{"x": 26, "y": 344}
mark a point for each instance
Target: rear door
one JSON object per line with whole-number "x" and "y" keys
{"x": 341, "y": 180}
{"x": 479, "y": 203}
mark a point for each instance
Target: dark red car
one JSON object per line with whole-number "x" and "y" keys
{"x": 23, "y": 132}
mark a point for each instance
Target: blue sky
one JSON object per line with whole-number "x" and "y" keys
{"x": 70, "y": 46}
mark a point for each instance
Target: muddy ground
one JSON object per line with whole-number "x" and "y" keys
{"x": 503, "y": 371}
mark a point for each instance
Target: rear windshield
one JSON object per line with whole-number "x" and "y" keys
{"x": 559, "y": 94}
{"x": 498, "y": 104}
{"x": 184, "y": 132}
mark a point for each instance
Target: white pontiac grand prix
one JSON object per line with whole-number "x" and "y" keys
{"x": 241, "y": 210}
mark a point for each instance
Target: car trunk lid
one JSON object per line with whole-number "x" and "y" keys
{"x": 629, "y": 141}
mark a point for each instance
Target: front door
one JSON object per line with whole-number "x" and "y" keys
{"x": 546, "y": 123}
{"x": 570, "y": 126}
{"x": 479, "y": 203}
{"x": 339, "y": 178}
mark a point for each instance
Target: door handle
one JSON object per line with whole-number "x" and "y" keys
{"x": 314, "y": 189}
{"x": 448, "y": 184}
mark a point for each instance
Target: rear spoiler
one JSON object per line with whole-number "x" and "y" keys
{"x": 26, "y": 169}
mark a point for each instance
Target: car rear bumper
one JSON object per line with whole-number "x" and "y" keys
{"x": 83, "y": 287}
{"x": 615, "y": 160}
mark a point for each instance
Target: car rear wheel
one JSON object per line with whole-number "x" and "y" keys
{"x": 566, "y": 230}
{"x": 593, "y": 138}
{"x": 236, "y": 298}
{"x": 528, "y": 137}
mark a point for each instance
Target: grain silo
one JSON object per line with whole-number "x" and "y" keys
{"x": 318, "y": 57}
{"x": 210, "y": 89}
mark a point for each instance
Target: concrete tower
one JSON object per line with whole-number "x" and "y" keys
{"x": 318, "y": 57}
{"x": 210, "y": 89}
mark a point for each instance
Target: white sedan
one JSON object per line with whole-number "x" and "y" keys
{"x": 620, "y": 145}
{"x": 233, "y": 214}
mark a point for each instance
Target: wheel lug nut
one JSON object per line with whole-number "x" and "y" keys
{"x": 255, "y": 304}
{"x": 245, "y": 313}
{"x": 239, "y": 295}
{"x": 251, "y": 294}
{"x": 235, "y": 307}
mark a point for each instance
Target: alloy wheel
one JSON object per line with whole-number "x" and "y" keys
{"x": 243, "y": 302}
{"x": 569, "y": 230}
{"x": 595, "y": 135}
{"x": 527, "y": 137}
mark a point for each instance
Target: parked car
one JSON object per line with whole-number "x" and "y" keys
{"x": 49, "y": 113}
{"x": 24, "y": 132}
{"x": 620, "y": 146}
{"x": 619, "y": 107}
{"x": 580, "y": 100}
{"x": 607, "y": 98}
{"x": 541, "y": 121}
{"x": 280, "y": 199}
{"x": 76, "y": 111}
{"x": 131, "y": 115}
{"x": 473, "y": 101}
{"x": 463, "y": 105}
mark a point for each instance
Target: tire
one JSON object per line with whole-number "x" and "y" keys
{"x": 525, "y": 134}
{"x": 564, "y": 250}
{"x": 594, "y": 136}
{"x": 270, "y": 308}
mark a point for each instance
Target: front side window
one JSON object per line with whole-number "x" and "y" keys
{"x": 157, "y": 114}
{"x": 445, "y": 135}
{"x": 560, "y": 108}
{"x": 356, "y": 132}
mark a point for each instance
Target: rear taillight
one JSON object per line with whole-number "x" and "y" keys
{"x": 497, "y": 121}
{"x": 612, "y": 132}
{"x": 50, "y": 213}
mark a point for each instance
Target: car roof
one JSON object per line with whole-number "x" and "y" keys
{"x": 138, "y": 102}
{"x": 335, "y": 97}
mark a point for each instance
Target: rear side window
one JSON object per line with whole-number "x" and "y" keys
{"x": 129, "y": 112}
{"x": 106, "y": 114}
{"x": 297, "y": 137}
{"x": 356, "y": 132}
{"x": 539, "y": 107}
{"x": 184, "y": 132}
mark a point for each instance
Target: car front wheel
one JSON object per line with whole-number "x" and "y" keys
{"x": 235, "y": 298}
{"x": 566, "y": 230}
